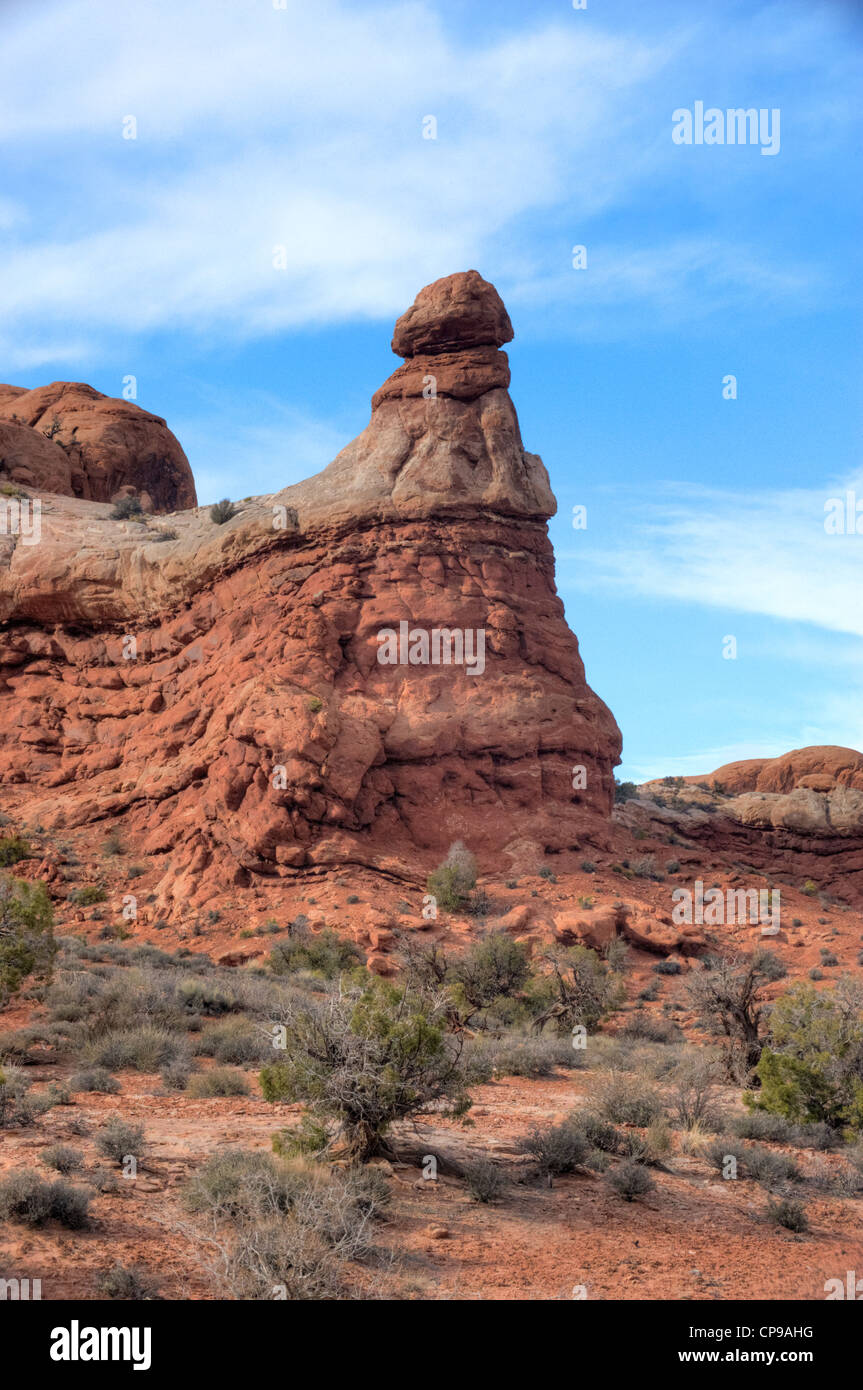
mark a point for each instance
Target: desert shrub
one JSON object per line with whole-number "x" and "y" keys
{"x": 13, "y": 848}
{"x": 146, "y": 1048}
{"x": 626, "y": 1099}
{"x": 729, "y": 1000}
{"x": 616, "y": 954}
{"x": 496, "y": 966}
{"x": 788, "y": 1213}
{"x": 324, "y": 953}
{"x": 175, "y": 1075}
{"x": 624, "y": 791}
{"x": 367, "y": 1057}
{"x": 811, "y": 1069}
{"x": 127, "y": 1284}
{"x": 556, "y": 1148}
{"x": 30, "y": 1200}
{"x": 16, "y": 1111}
{"x": 125, "y": 508}
{"x": 70, "y": 1205}
{"x": 87, "y": 895}
{"x": 118, "y": 1140}
{"x": 630, "y": 1179}
{"x": 95, "y": 1079}
{"x": 204, "y": 997}
{"x": 814, "y": 1136}
{"x": 667, "y": 967}
{"x": 693, "y": 1096}
{"x": 27, "y": 946}
{"x": 597, "y": 1131}
{"x": 63, "y": 1157}
{"x": 578, "y": 989}
{"x": 220, "y": 1081}
{"x": 644, "y": 866}
{"x": 718, "y": 1152}
{"x": 643, "y": 1026}
{"x": 235, "y": 1041}
{"x": 453, "y": 880}
{"x": 770, "y": 1169}
{"x": 484, "y": 1180}
{"x": 758, "y": 1124}
{"x": 516, "y": 1054}
{"x": 269, "y": 1224}
{"x": 223, "y": 511}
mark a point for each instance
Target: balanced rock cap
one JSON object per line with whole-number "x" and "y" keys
{"x": 460, "y": 311}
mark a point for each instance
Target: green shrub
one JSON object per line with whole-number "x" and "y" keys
{"x": 119, "y": 1140}
{"x": 95, "y": 1079}
{"x": 27, "y": 946}
{"x": 812, "y": 1067}
{"x": 365, "y": 1058}
{"x": 204, "y": 997}
{"x": 324, "y": 953}
{"x": 484, "y": 1180}
{"x": 626, "y": 1099}
{"x": 520, "y": 1055}
{"x": 235, "y": 1041}
{"x": 220, "y": 1081}
{"x": 63, "y": 1157}
{"x": 127, "y": 1284}
{"x": 770, "y": 1169}
{"x": 145, "y": 1048}
{"x": 30, "y": 1200}
{"x": 453, "y": 880}
{"x": 13, "y": 848}
{"x": 495, "y": 966}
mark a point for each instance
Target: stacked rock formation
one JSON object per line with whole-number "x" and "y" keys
{"x": 220, "y": 688}
{"x": 68, "y": 439}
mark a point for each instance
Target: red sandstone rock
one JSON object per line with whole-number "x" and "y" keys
{"x": 816, "y": 768}
{"x": 108, "y": 444}
{"x": 457, "y": 312}
{"x": 31, "y": 460}
{"x": 253, "y": 730}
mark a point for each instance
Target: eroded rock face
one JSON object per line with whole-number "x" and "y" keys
{"x": 221, "y": 689}
{"x": 108, "y": 445}
{"x": 800, "y": 815}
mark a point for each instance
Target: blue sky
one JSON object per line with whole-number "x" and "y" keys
{"x": 302, "y": 127}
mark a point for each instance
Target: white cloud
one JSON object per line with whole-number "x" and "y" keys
{"x": 760, "y": 552}
{"x": 260, "y": 127}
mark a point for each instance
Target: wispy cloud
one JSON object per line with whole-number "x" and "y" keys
{"x": 761, "y": 552}
{"x": 302, "y": 128}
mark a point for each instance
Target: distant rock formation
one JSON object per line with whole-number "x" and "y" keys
{"x": 68, "y": 439}
{"x": 221, "y": 688}
{"x": 800, "y": 814}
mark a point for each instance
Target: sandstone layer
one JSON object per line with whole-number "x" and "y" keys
{"x": 218, "y": 688}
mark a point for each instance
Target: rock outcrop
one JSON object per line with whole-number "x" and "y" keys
{"x": 799, "y": 815}
{"x": 68, "y": 439}
{"x": 232, "y": 693}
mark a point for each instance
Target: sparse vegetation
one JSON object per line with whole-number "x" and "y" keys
{"x": 223, "y": 511}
